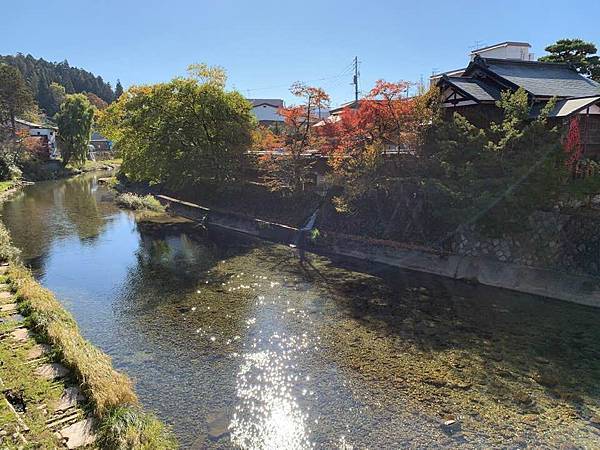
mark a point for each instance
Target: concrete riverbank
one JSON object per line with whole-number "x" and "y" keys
{"x": 540, "y": 281}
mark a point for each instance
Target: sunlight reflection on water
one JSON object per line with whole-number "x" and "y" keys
{"x": 267, "y": 415}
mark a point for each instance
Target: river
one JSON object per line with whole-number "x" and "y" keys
{"x": 234, "y": 344}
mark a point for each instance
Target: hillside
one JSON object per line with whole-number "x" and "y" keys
{"x": 40, "y": 73}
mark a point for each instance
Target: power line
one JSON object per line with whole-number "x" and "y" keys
{"x": 344, "y": 72}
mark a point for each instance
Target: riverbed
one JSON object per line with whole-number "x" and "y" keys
{"x": 235, "y": 344}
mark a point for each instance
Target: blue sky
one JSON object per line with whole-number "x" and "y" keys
{"x": 267, "y": 45}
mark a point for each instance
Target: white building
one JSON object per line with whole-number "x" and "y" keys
{"x": 266, "y": 110}
{"x": 518, "y": 51}
{"x": 46, "y": 133}
{"x": 505, "y": 50}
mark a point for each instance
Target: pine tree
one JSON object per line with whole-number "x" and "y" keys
{"x": 581, "y": 54}
{"x": 118, "y": 89}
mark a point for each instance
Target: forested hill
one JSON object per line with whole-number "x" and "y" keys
{"x": 39, "y": 74}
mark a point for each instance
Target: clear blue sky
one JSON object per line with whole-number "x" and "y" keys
{"x": 267, "y": 45}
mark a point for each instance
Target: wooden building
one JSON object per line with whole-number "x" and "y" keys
{"x": 474, "y": 91}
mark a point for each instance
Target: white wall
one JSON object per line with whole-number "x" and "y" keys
{"x": 507, "y": 52}
{"x": 267, "y": 112}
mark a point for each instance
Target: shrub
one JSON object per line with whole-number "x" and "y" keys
{"x": 7, "y": 251}
{"x": 127, "y": 427}
{"x": 137, "y": 202}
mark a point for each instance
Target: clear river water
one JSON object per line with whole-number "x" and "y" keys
{"x": 234, "y": 344}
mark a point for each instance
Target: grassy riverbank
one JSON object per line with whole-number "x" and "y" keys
{"x": 121, "y": 423}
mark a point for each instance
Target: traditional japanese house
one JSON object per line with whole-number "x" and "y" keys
{"x": 474, "y": 91}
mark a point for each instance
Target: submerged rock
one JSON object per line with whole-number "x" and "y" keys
{"x": 218, "y": 424}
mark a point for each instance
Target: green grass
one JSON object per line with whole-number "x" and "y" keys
{"x": 126, "y": 428}
{"x": 104, "y": 386}
{"x": 139, "y": 203}
{"x": 6, "y": 185}
{"x": 90, "y": 166}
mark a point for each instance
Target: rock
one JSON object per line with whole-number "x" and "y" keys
{"x": 218, "y": 424}
{"x": 450, "y": 425}
{"x": 437, "y": 382}
{"x": 4, "y": 293}
{"x": 523, "y": 398}
{"x": 595, "y": 420}
{"x": 546, "y": 378}
{"x": 79, "y": 434}
{"x": 15, "y": 398}
{"x": 70, "y": 397}
{"x": 495, "y": 357}
{"x": 52, "y": 371}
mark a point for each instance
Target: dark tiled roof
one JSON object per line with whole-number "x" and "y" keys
{"x": 275, "y": 102}
{"x": 542, "y": 79}
{"x": 476, "y": 88}
{"x": 97, "y": 137}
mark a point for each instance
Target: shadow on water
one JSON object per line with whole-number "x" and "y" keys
{"x": 506, "y": 363}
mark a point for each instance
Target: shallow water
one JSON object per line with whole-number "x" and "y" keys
{"x": 231, "y": 337}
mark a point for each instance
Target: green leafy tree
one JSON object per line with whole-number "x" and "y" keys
{"x": 57, "y": 95}
{"x": 498, "y": 176}
{"x": 180, "y": 132}
{"x": 581, "y": 54}
{"x": 75, "y": 120}
{"x": 118, "y": 90}
{"x": 15, "y": 97}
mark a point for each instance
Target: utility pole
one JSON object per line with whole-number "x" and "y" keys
{"x": 355, "y": 81}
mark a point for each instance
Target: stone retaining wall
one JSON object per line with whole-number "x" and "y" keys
{"x": 563, "y": 242}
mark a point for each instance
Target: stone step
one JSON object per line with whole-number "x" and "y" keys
{"x": 66, "y": 419}
{"x": 70, "y": 398}
{"x": 58, "y": 415}
{"x": 8, "y": 308}
{"x": 79, "y": 434}
{"x": 6, "y": 296}
{"x": 21, "y": 334}
{"x": 51, "y": 371}
{"x": 38, "y": 350}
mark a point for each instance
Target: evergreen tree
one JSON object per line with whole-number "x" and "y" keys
{"x": 40, "y": 74}
{"x": 581, "y": 54}
{"x": 15, "y": 96}
{"x": 118, "y": 89}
